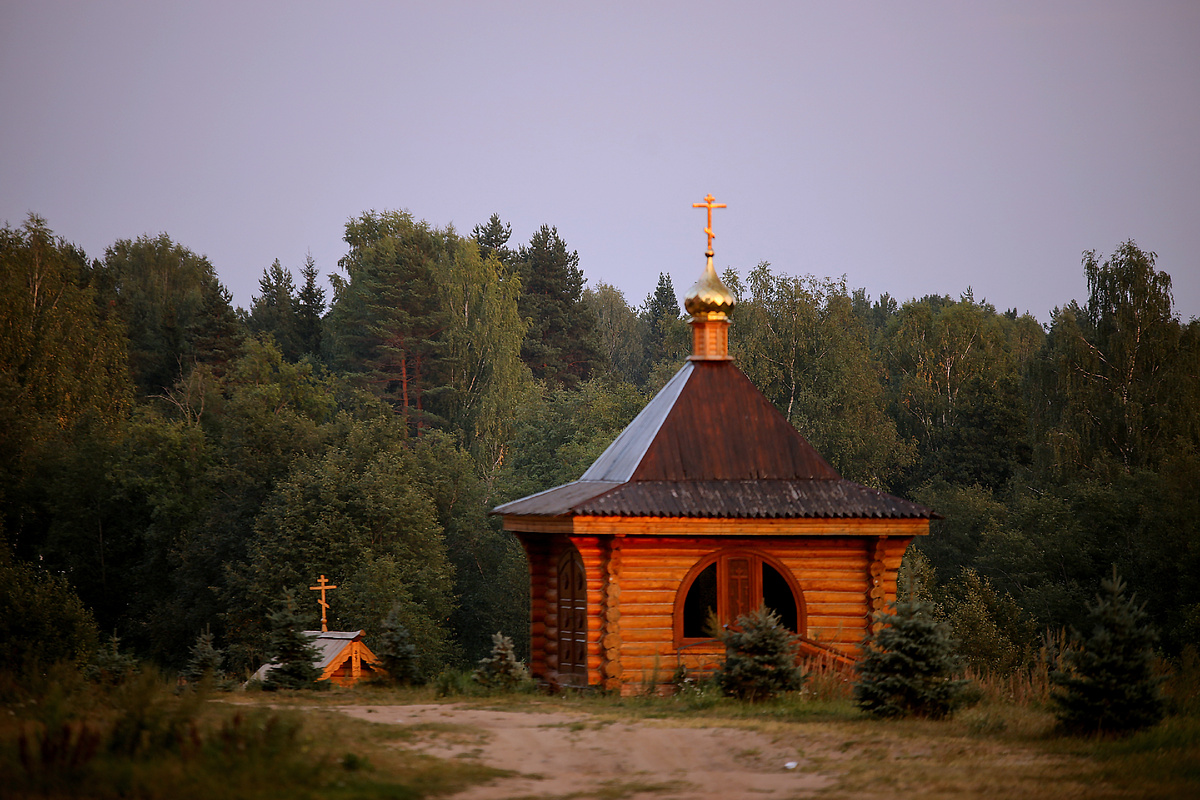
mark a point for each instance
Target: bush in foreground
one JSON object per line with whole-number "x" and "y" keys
{"x": 760, "y": 657}
{"x": 501, "y": 670}
{"x": 1108, "y": 683}
{"x": 908, "y": 665}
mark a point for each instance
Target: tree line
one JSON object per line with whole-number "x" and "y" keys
{"x": 171, "y": 464}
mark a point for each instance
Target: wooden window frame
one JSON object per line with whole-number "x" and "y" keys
{"x": 721, "y": 559}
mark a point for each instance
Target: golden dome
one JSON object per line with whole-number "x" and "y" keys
{"x": 708, "y": 295}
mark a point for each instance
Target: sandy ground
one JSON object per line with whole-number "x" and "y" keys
{"x": 561, "y": 755}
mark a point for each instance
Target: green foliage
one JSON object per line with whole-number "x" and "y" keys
{"x": 760, "y": 657}
{"x": 427, "y": 323}
{"x": 109, "y": 665}
{"x": 42, "y": 620}
{"x": 800, "y": 342}
{"x": 559, "y": 433}
{"x": 206, "y": 660}
{"x": 560, "y": 347}
{"x": 276, "y": 310}
{"x": 362, "y": 512}
{"x": 396, "y": 652}
{"x": 1109, "y": 683}
{"x": 290, "y": 649}
{"x": 993, "y": 634}
{"x": 620, "y": 333}
{"x": 954, "y": 386}
{"x": 176, "y": 312}
{"x": 907, "y": 665}
{"x": 666, "y": 338}
{"x": 63, "y": 372}
{"x": 1119, "y": 374}
{"x": 502, "y": 669}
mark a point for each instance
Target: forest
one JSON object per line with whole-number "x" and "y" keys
{"x": 170, "y": 464}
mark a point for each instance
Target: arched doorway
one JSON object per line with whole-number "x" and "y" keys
{"x": 572, "y": 619}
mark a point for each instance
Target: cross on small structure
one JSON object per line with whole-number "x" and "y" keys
{"x": 710, "y": 205}
{"x": 324, "y": 585}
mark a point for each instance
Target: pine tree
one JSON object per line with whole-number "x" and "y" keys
{"x": 908, "y": 665}
{"x": 1109, "y": 683}
{"x": 760, "y": 657}
{"x": 501, "y": 670}
{"x": 396, "y": 651}
{"x": 291, "y": 650}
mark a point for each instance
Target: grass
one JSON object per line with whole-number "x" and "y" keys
{"x": 63, "y": 737}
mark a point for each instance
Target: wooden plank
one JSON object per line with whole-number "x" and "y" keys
{"x": 531, "y": 524}
{"x": 693, "y": 526}
{"x": 816, "y": 599}
{"x": 655, "y": 596}
{"x": 646, "y": 610}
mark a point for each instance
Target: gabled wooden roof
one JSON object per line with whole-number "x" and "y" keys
{"x": 710, "y": 444}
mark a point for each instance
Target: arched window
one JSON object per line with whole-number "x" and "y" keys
{"x": 731, "y": 584}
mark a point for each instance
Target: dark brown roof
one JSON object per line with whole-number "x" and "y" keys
{"x": 711, "y": 445}
{"x": 709, "y": 423}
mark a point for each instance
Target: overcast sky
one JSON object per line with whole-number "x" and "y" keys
{"x": 914, "y": 147}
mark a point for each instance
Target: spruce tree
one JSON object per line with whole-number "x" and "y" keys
{"x": 291, "y": 650}
{"x": 1109, "y": 684}
{"x": 397, "y": 654}
{"x": 275, "y": 310}
{"x": 760, "y": 657}
{"x": 206, "y": 658}
{"x": 492, "y": 239}
{"x": 908, "y": 665}
{"x": 310, "y": 310}
{"x": 561, "y": 345}
{"x": 501, "y": 670}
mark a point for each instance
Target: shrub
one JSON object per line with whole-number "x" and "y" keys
{"x": 760, "y": 657}
{"x": 1107, "y": 683}
{"x": 42, "y": 620}
{"x": 501, "y": 670}
{"x": 908, "y": 665}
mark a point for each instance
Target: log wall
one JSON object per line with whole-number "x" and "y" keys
{"x": 634, "y": 583}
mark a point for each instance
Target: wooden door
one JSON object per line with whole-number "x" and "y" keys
{"x": 572, "y": 620}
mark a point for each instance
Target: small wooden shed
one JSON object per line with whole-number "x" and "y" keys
{"x": 342, "y": 657}
{"x": 708, "y": 501}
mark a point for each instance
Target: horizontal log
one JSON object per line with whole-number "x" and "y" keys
{"x": 839, "y": 611}
{"x": 813, "y": 599}
{"x": 691, "y": 526}
{"x": 790, "y": 547}
{"x": 663, "y": 596}
{"x": 641, "y": 619}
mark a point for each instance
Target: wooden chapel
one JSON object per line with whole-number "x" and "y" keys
{"x": 708, "y": 501}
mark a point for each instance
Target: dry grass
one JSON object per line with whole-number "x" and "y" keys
{"x": 1005, "y": 745}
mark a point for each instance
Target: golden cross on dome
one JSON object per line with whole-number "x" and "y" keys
{"x": 710, "y": 205}
{"x": 325, "y": 585}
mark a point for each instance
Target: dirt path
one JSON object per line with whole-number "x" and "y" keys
{"x": 563, "y": 754}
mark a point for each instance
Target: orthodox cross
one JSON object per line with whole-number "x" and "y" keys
{"x": 710, "y": 205}
{"x": 324, "y": 585}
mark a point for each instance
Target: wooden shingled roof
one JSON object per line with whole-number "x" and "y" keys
{"x": 711, "y": 445}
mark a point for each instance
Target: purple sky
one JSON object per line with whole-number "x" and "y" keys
{"x": 914, "y": 147}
